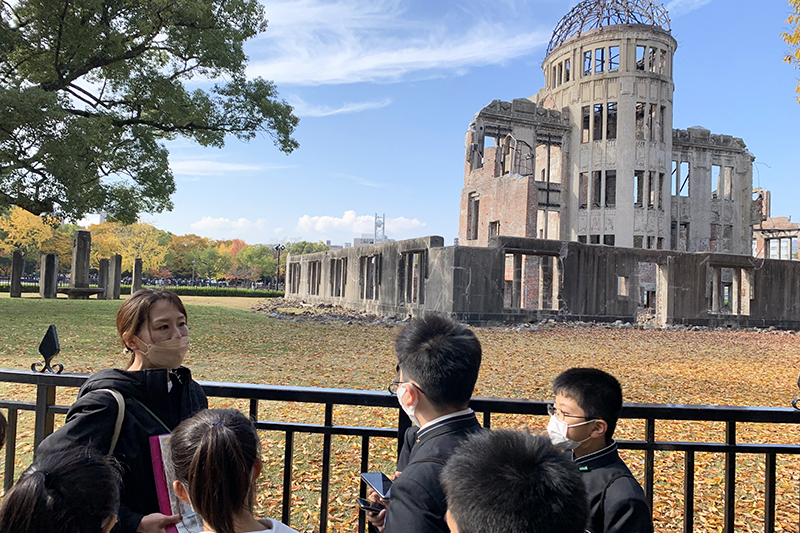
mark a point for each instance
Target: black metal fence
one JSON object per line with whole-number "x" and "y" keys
{"x": 45, "y": 409}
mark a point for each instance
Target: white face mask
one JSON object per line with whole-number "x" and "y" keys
{"x": 166, "y": 354}
{"x": 557, "y": 429}
{"x": 410, "y": 410}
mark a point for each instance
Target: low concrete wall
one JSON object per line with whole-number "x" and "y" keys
{"x": 591, "y": 282}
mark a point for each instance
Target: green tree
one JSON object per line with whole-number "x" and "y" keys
{"x": 209, "y": 262}
{"x": 256, "y": 262}
{"x": 177, "y": 260}
{"x": 89, "y": 89}
{"x": 792, "y": 38}
{"x": 305, "y": 247}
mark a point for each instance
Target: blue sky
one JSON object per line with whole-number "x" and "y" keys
{"x": 385, "y": 90}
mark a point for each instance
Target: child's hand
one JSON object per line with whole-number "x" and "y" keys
{"x": 376, "y": 519}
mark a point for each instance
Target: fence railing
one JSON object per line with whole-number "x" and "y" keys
{"x": 45, "y": 408}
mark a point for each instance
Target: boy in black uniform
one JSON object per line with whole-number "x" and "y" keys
{"x": 512, "y": 482}
{"x": 437, "y": 364}
{"x": 582, "y": 419}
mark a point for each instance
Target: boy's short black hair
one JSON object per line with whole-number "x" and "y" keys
{"x": 598, "y": 393}
{"x": 513, "y": 482}
{"x": 442, "y": 357}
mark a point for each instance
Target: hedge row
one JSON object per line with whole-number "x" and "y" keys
{"x": 180, "y": 291}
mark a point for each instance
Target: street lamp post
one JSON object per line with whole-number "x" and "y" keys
{"x": 278, "y": 249}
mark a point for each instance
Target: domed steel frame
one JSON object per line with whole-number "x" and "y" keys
{"x": 591, "y": 14}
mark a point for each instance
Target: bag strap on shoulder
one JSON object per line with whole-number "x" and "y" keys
{"x": 120, "y": 417}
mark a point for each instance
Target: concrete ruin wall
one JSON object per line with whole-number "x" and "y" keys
{"x": 588, "y": 282}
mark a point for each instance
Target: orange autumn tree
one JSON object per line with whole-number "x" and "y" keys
{"x": 792, "y": 38}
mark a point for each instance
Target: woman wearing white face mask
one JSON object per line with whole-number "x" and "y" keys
{"x": 158, "y": 393}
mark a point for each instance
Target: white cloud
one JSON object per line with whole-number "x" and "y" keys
{"x": 676, "y": 8}
{"x": 250, "y": 231}
{"x": 304, "y": 109}
{"x": 313, "y": 42}
{"x": 205, "y": 167}
{"x": 344, "y": 228}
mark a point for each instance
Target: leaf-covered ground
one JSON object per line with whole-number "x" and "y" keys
{"x": 231, "y": 343}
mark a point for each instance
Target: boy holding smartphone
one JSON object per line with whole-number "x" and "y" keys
{"x": 583, "y": 418}
{"x": 437, "y": 364}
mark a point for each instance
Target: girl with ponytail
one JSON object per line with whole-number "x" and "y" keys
{"x": 217, "y": 459}
{"x": 75, "y": 491}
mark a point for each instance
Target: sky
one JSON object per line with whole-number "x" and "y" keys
{"x": 385, "y": 90}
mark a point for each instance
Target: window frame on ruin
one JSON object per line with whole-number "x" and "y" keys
{"x": 613, "y": 58}
{"x": 662, "y": 124}
{"x": 566, "y": 70}
{"x": 716, "y": 174}
{"x": 587, "y": 62}
{"x": 638, "y": 241}
{"x": 652, "y": 120}
{"x": 609, "y": 239}
{"x": 662, "y": 63}
{"x": 661, "y": 190}
{"x": 369, "y": 278}
{"x": 611, "y": 123}
{"x": 652, "y": 59}
{"x": 582, "y": 239}
{"x": 583, "y": 190}
{"x": 412, "y": 273}
{"x": 638, "y": 188}
{"x": 685, "y": 182}
{"x": 641, "y": 52}
{"x": 494, "y": 228}
{"x": 294, "y": 277}
{"x": 585, "y": 123}
{"x": 599, "y": 60}
{"x": 727, "y": 180}
{"x": 597, "y": 188}
{"x": 560, "y": 73}
{"x": 473, "y": 214}
{"x": 594, "y": 239}
{"x": 597, "y": 122}
{"x": 313, "y": 275}
{"x": 651, "y": 190}
{"x": 610, "y": 186}
{"x": 639, "y": 114}
{"x": 338, "y": 277}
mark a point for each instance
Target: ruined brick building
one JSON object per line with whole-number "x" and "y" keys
{"x": 583, "y": 202}
{"x": 593, "y": 156}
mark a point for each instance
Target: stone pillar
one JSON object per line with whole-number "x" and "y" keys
{"x": 114, "y": 277}
{"x": 102, "y": 280}
{"x": 17, "y": 265}
{"x": 136, "y": 283}
{"x": 81, "y": 246}
{"x": 736, "y": 291}
{"x": 516, "y": 288}
{"x": 48, "y": 276}
{"x": 716, "y": 287}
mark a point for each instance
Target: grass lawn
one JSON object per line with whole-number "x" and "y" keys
{"x": 232, "y": 343}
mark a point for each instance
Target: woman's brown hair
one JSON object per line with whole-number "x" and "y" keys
{"x": 135, "y": 311}
{"x": 213, "y": 454}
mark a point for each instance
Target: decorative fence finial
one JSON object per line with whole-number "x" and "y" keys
{"x": 49, "y": 348}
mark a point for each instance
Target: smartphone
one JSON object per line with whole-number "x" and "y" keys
{"x": 379, "y": 483}
{"x": 369, "y": 505}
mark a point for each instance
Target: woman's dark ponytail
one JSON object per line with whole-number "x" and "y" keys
{"x": 213, "y": 454}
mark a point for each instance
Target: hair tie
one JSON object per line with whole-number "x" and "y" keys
{"x": 218, "y": 423}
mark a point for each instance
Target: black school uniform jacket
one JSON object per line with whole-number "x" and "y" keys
{"x": 617, "y": 503}
{"x": 417, "y": 502}
{"x": 91, "y": 420}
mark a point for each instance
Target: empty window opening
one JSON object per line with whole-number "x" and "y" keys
{"x": 715, "y": 173}
{"x": 582, "y": 239}
{"x": 638, "y": 188}
{"x": 411, "y": 276}
{"x": 613, "y": 58}
{"x": 553, "y": 77}
{"x": 338, "y": 277}
{"x": 313, "y": 277}
{"x": 640, "y": 112}
{"x": 652, "y": 60}
{"x": 652, "y": 123}
{"x": 294, "y": 278}
{"x": 640, "y": 57}
{"x": 585, "y": 118}
{"x": 662, "y": 118}
{"x": 608, "y": 240}
{"x": 683, "y": 237}
{"x": 599, "y": 59}
{"x": 583, "y": 188}
{"x": 622, "y": 286}
{"x": 727, "y": 183}
{"x": 651, "y": 243}
{"x": 587, "y": 63}
{"x": 597, "y": 131}
{"x": 597, "y": 177}
{"x": 662, "y": 64}
{"x": 560, "y": 73}
{"x": 651, "y": 190}
{"x": 648, "y": 274}
{"x": 530, "y": 282}
{"x": 660, "y": 243}
{"x": 611, "y": 188}
{"x": 566, "y": 70}
{"x": 473, "y": 208}
{"x": 638, "y": 241}
{"x": 370, "y": 276}
{"x": 594, "y": 239}
{"x": 683, "y": 174}
{"x": 611, "y": 121}
{"x": 494, "y": 228}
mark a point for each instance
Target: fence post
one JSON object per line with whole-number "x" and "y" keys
{"x": 45, "y": 397}
{"x": 17, "y": 265}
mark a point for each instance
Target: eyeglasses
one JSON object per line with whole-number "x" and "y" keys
{"x": 552, "y": 410}
{"x": 394, "y": 385}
